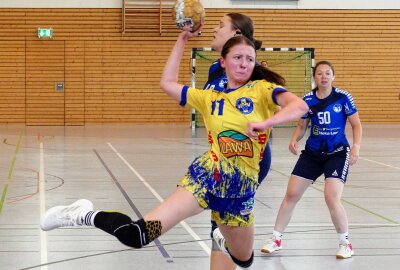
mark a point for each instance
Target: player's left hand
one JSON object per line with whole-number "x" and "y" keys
{"x": 354, "y": 154}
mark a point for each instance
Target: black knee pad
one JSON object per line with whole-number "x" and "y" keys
{"x": 243, "y": 264}
{"x": 130, "y": 233}
{"x": 134, "y": 234}
{"x": 139, "y": 233}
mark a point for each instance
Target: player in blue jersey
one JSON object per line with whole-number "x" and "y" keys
{"x": 232, "y": 24}
{"x": 223, "y": 179}
{"x": 327, "y": 152}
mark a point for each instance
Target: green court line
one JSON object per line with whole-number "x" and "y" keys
{"x": 349, "y": 202}
{"x": 3, "y": 197}
{"x": 10, "y": 174}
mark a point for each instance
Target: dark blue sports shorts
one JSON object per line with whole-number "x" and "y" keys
{"x": 311, "y": 166}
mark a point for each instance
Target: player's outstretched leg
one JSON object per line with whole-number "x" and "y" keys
{"x": 134, "y": 234}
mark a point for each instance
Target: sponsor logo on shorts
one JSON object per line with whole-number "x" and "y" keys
{"x": 248, "y": 207}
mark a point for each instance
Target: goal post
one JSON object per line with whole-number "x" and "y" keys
{"x": 294, "y": 64}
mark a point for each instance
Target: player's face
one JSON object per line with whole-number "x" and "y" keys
{"x": 324, "y": 77}
{"x": 264, "y": 64}
{"x": 222, "y": 33}
{"x": 239, "y": 64}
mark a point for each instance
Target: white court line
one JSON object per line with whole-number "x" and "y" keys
{"x": 42, "y": 195}
{"x": 301, "y": 225}
{"x": 380, "y": 163}
{"x": 152, "y": 190}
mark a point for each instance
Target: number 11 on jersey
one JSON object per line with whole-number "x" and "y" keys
{"x": 217, "y": 103}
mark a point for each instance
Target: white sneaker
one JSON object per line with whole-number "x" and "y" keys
{"x": 220, "y": 240}
{"x": 69, "y": 215}
{"x": 345, "y": 251}
{"x": 272, "y": 245}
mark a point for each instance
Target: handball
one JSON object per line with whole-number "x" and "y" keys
{"x": 188, "y": 12}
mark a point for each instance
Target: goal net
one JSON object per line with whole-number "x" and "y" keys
{"x": 294, "y": 64}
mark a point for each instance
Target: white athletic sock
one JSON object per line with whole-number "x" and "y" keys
{"x": 277, "y": 235}
{"x": 89, "y": 218}
{"x": 344, "y": 237}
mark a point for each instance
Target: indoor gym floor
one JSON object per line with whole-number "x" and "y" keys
{"x": 131, "y": 168}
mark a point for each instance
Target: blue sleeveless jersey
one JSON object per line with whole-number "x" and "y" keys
{"x": 328, "y": 121}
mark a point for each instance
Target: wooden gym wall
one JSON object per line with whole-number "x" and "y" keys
{"x": 114, "y": 78}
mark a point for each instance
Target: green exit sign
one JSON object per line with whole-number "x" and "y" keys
{"x": 45, "y": 32}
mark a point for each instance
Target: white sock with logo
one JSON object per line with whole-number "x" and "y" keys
{"x": 344, "y": 237}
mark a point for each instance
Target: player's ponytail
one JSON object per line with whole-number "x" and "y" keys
{"x": 263, "y": 73}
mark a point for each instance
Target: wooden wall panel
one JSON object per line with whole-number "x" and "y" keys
{"x": 113, "y": 78}
{"x": 75, "y": 83}
{"x": 12, "y": 82}
{"x": 44, "y": 68}
{"x": 122, "y": 84}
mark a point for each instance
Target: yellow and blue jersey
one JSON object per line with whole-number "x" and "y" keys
{"x": 230, "y": 168}
{"x": 216, "y": 81}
